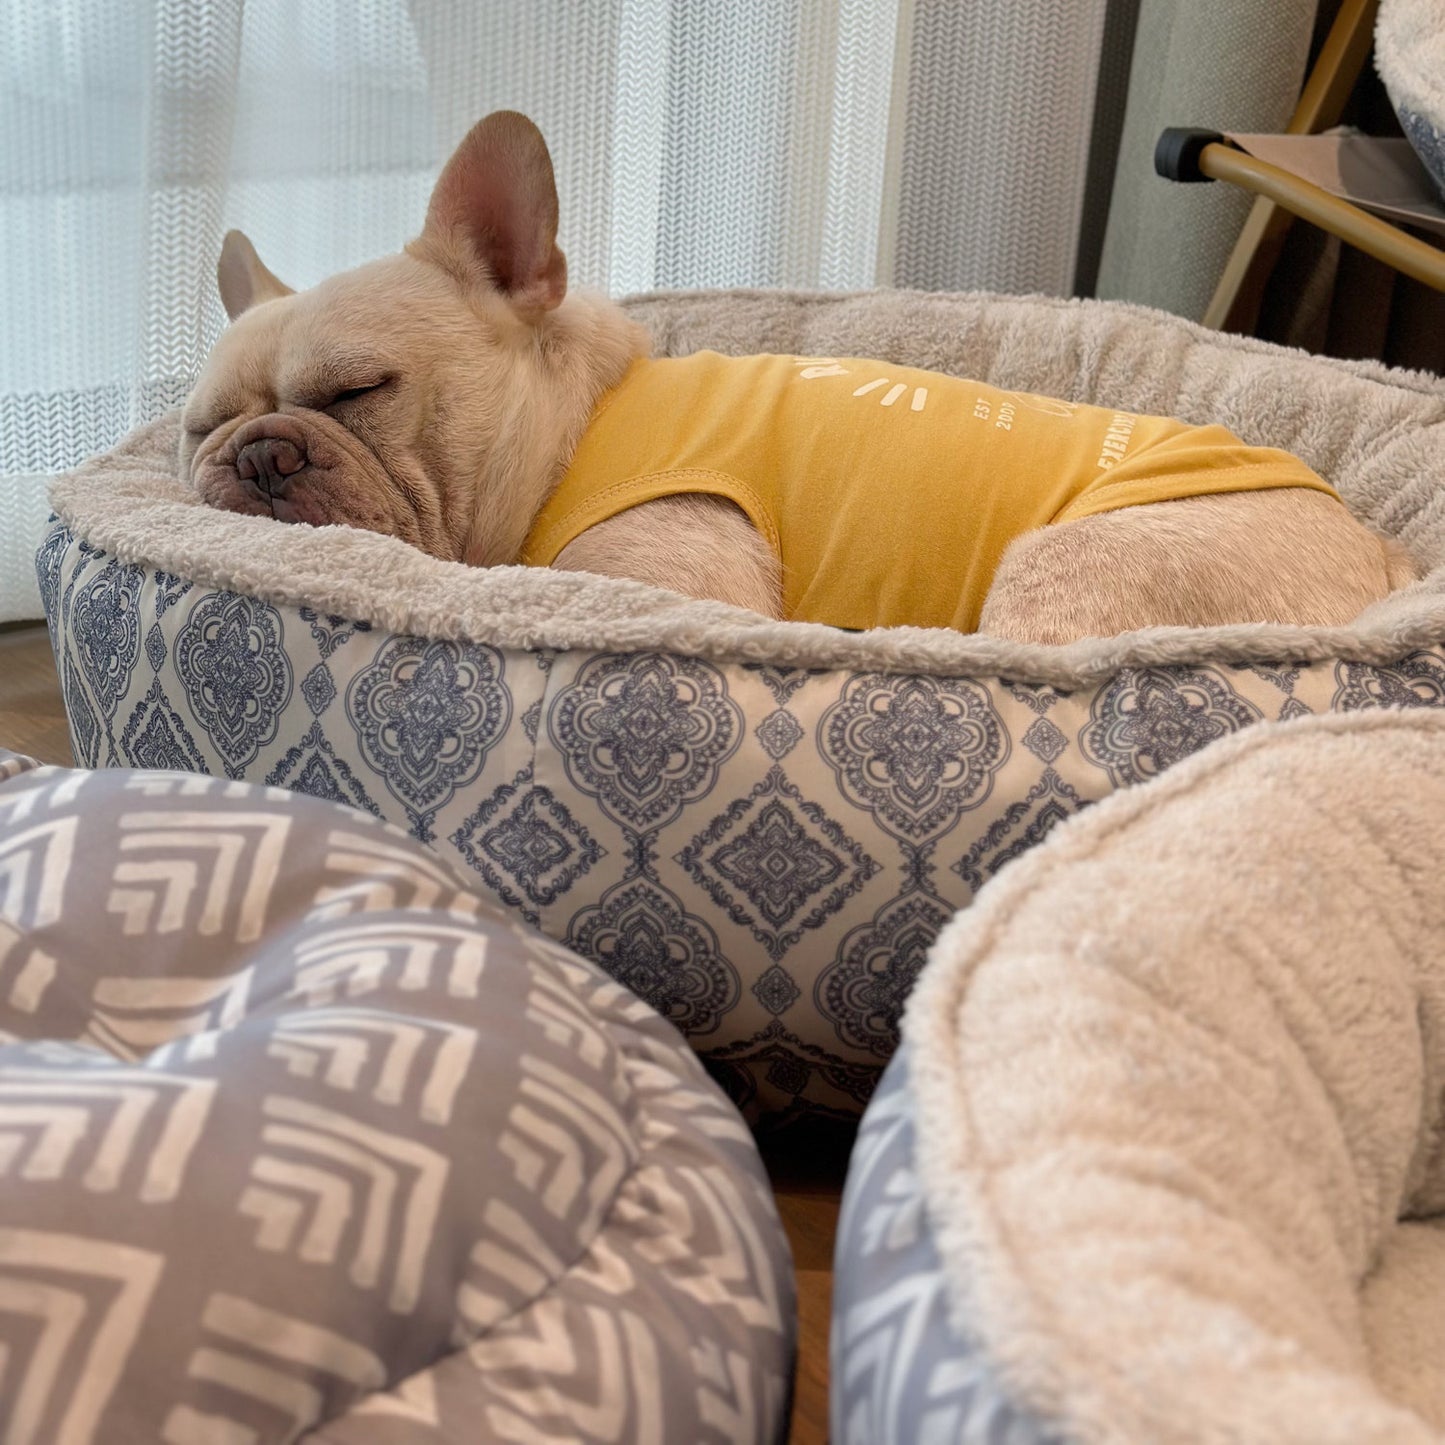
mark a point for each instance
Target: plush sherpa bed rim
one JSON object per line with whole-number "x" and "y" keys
{"x": 1424, "y": 382}
{"x": 147, "y": 517}
{"x": 382, "y": 581}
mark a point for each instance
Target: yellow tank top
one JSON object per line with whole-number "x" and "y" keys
{"x": 889, "y": 494}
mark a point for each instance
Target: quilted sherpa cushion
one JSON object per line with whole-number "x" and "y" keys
{"x": 300, "y": 1140}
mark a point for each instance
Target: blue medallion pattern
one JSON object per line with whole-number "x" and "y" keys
{"x": 782, "y": 682}
{"x": 329, "y": 631}
{"x": 772, "y": 855}
{"x": 1044, "y": 740}
{"x": 1023, "y": 825}
{"x": 236, "y": 674}
{"x": 863, "y": 993}
{"x": 1283, "y": 676}
{"x": 532, "y": 720}
{"x": 157, "y": 649}
{"x": 917, "y": 751}
{"x": 1415, "y": 681}
{"x": 426, "y": 715}
{"x": 313, "y": 767}
{"x": 169, "y": 591}
{"x": 156, "y": 737}
{"x": 763, "y": 852}
{"x": 84, "y": 727}
{"x": 318, "y": 687}
{"x": 526, "y": 845}
{"x": 1038, "y": 697}
{"x": 1148, "y": 719}
{"x": 645, "y": 734}
{"x": 779, "y": 733}
{"x": 775, "y": 1061}
{"x": 776, "y": 990}
{"x": 643, "y": 938}
{"x": 105, "y": 623}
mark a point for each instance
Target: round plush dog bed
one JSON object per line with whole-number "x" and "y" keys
{"x": 1160, "y": 1156}
{"x": 758, "y": 827}
{"x": 303, "y": 1140}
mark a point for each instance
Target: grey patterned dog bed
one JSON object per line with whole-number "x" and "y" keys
{"x": 758, "y": 827}
{"x": 902, "y": 1370}
{"x": 299, "y": 1139}
{"x": 1160, "y": 1158}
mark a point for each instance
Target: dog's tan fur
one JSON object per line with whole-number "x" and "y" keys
{"x": 481, "y": 371}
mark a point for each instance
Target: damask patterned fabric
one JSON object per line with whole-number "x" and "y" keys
{"x": 758, "y": 827}
{"x": 762, "y": 853}
{"x": 1158, "y": 1159}
{"x": 300, "y": 1139}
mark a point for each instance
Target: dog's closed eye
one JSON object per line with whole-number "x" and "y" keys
{"x": 352, "y": 393}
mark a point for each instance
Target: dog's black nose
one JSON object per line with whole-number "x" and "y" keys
{"x": 269, "y": 464}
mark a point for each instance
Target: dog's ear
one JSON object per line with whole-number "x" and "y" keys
{"x": 243, "y": 279}
{"x": 495, "y": 203}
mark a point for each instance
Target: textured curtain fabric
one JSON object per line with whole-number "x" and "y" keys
{"x": 1233, "y": 65}
{"x": 818, "y": 143}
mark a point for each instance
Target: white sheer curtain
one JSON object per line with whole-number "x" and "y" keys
{"x": 815, "y": 143}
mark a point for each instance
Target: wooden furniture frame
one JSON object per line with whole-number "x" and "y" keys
{"x": 1280, "y": 196}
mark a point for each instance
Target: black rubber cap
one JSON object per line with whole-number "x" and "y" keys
{"x": 1176, "y": 157}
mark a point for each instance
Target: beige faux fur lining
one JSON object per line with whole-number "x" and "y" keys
{"x": 1379, "y": 436}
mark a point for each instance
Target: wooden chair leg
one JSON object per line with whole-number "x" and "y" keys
{"x": 1240, "y": 292}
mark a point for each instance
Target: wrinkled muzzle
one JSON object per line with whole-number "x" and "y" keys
{"x": 299, "y": 467}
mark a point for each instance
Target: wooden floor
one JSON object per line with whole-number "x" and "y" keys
{"x": 807, "y": 1172}
{"x": 32, "y": 718}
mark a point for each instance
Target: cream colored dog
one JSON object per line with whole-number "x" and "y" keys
{"x": 439, "y": 394}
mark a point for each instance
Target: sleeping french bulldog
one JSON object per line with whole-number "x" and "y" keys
{"x": 459, "y": 397}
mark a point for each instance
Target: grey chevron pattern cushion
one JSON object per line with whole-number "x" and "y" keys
{"x": 899, "y": 1367}
{"x": 301, "y": 1140}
